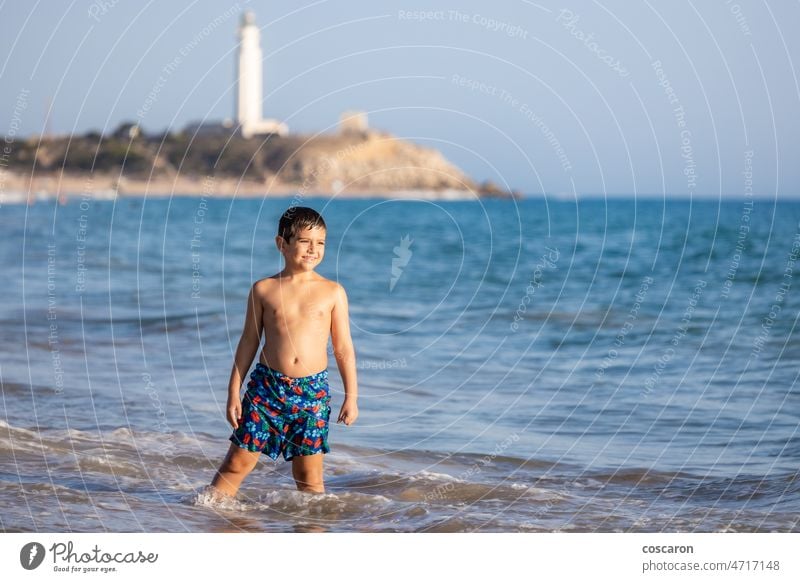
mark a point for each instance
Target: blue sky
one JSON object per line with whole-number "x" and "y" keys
{"x": 613, "y": 97}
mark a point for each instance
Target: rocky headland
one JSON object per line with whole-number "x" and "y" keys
{"x": 128, "y": 163}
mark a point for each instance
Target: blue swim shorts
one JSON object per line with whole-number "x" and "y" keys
{"x": 285, "y": 415}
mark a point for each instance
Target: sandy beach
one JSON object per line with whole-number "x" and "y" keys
{"x": 17, "y": 188}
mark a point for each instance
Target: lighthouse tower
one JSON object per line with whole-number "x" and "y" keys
{"x": 249, "y": 83}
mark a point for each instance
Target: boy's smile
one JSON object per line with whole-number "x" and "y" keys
{"x": 305, "y": 249}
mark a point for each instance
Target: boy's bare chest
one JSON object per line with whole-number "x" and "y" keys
{"x": 296, "y": 308}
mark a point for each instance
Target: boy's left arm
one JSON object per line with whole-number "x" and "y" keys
{"x": 345, "y": 356}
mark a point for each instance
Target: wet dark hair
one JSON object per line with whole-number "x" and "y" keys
{"x": 298, "y": 218}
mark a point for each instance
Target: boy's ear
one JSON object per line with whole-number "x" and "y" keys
{"x": 281, "y": 242}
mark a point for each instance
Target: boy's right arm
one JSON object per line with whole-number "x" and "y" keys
{"x": 245, "y": 352}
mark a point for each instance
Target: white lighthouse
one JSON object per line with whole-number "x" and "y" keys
{"x": 249, "y": 83}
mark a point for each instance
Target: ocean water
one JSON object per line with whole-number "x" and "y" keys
{"x": 536, "y": 365}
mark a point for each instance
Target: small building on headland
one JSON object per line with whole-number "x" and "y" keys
{"x": 127, "y": 130}
{"x": 353, "y": 123}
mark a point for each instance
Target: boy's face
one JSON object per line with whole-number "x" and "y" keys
{"x": 305, "y": 249}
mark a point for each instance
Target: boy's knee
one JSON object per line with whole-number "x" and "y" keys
{"x": 308, "y": 478}
{"x": 238, "y": 464}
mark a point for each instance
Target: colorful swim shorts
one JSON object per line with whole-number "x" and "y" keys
{"x": 285, "y": 415}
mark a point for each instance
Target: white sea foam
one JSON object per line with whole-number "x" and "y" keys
{"x": 209, "y": 497}
{"x": 319, "y": 502}
{"x": 433, "y": 476}
{"x": 13, "y": 429}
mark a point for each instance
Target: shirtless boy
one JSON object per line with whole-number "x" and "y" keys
{"x": 286, "y": 407}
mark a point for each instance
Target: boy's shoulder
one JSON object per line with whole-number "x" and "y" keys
{"x": 329, "y": 285}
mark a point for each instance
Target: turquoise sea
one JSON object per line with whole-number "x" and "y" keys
{"x": 534, "y": 365}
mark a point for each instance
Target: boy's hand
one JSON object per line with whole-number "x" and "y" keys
{"x": 348, "y": 413}
{"x": 234, "y": 410}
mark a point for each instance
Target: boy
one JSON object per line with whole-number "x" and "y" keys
{"x": 286, "y": 407}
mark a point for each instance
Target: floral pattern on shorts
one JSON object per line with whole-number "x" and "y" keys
{"x": 281, "y": 414}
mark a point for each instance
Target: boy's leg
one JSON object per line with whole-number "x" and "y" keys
{"x": 307, "y": 473}
{"x": 237, "y": 465}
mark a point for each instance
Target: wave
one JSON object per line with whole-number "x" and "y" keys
{"x": 370, "y": 489}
